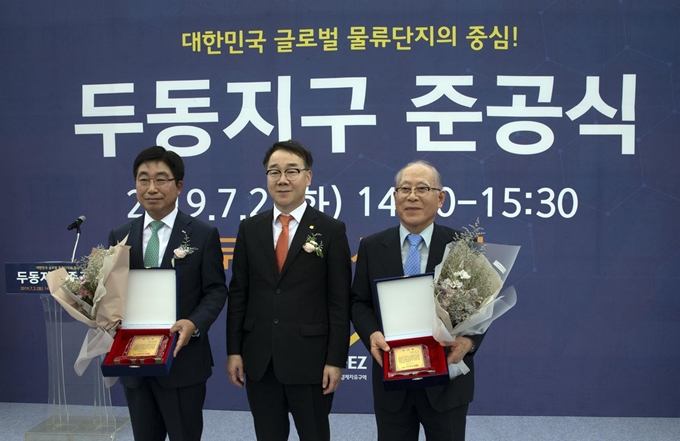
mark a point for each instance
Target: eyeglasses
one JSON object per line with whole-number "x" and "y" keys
{"x": 160, "y": 182}
{"x": 420, "y": 191}
{"x": 291, "y": 173}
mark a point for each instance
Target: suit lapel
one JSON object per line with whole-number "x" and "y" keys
{"x": 267, "y": 241}
{"x": 182, "y": 226}
{"x": 437, "y": 245}
{"x": 391, "y": 256}
{"x": 135, "y": 242}
{"x": 303, "y": 229}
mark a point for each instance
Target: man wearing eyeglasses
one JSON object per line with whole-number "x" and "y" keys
{"x": 288, "y": 312}
{"x": 441, "y": 410}
{"x": 173, "y": 404}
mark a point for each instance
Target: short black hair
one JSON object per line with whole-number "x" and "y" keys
{"x": 157, "y": 153}
{"x": 293, "y": 147}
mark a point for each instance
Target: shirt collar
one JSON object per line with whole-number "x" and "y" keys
{"x": 426, "y": 234}
{"x": 168, "y": 220}
{"x": 297, "y": 213}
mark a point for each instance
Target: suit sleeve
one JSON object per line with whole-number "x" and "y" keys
{"x": 339, "y": 279}
{"x": 112, "y": 239}
{"x": 364, "y": 316}
{"x": 213, "y": 283}
{"x": 238, "y": 294}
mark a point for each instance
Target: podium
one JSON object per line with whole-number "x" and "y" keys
{"x": 78, "y": 407}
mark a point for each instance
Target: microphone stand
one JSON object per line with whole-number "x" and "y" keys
{"x": 73, "y": 256}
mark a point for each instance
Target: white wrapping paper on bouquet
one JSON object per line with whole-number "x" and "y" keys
{"x": 498, "y": 260}
{"x": 107, "y": 309}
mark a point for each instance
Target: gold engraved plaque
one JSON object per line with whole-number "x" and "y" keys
{"x": 409, "y": 360}
{"x": 144, "y": 349}
{"x": 409, "y": 357}
{"x": 144, "y": 345}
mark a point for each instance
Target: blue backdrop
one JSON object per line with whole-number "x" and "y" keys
{"x": 554, "y": 122}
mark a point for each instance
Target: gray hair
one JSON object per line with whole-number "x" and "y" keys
{"x": 437, "y": 176}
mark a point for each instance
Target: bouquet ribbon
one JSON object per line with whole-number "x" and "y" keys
{"x": 477, "y": 324}
{"x": 98, "y": 341}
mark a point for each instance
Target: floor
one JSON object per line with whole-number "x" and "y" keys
{"x": 16, "y": 419}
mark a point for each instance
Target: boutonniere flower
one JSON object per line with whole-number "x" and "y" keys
{"x": 312, "y": 245}
{"x": 183, "y": 250}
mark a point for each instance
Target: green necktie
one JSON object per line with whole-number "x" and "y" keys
{"x": 151, "y": 255}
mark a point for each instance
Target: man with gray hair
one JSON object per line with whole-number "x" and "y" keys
{"x": 442, "y": 410}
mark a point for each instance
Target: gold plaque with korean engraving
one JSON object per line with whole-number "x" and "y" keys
{"x": 409, "y": 357}
{"x": 143, "y": 349}
{"x": 144, "y": 345}
{"x": 409, "y": 360}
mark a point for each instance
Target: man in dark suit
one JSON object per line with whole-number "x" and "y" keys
{"x": 288, "y": 311}
{"x": 442, "y": 410}
{"x": 173, "y": 404}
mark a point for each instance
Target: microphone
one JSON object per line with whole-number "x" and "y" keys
{"x": 77, "y": 222}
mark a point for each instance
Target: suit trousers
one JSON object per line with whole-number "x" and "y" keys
{"x": 156, "y": 411}
{"x": 270, "y": 401}
{"x": 404, "y": 425}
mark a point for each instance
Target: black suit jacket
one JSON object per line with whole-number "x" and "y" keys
{"x": 380, "y": 257}
{"x": 202, "y": 291}
{"x": 298, "y": 319}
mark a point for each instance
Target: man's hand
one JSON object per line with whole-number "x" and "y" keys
{"x": 235, "y": 370}
{"x": 378, "y": 346}
{"x": 185, "y": 328}
{"x": 331, "y": 379}
{"x": 459, "y": 347}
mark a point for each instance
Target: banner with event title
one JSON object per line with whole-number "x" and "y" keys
{"x": 553, "y": 122}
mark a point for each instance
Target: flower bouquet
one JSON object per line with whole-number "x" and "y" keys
{"x": 96, "y": 297}
{"x": 467, "y": 284}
